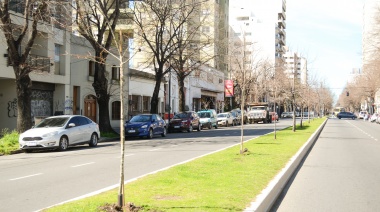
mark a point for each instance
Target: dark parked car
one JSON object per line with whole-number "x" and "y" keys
{"x": 348, "y": 115}
{"x": 188, "y": 121}
{"x": 145, "y": 125}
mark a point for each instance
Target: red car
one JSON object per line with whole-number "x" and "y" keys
{"x": 274, "y": 116}
{"x": 185, "y": 121}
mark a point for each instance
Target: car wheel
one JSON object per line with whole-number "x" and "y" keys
{"x": 339, "y": 117}
{"x": 93, "y": 140}
{"x": 216, "y": 126}
{"x": 63, "y": 143}
{"x": 209, "y": 125}
{"x": 150, "y": 134}
{"x": 164, "y": 133}
{"x": 353, "y": 118}
{"x": 199, "y": 127}
{"x": 226, "y": 123}
{"x": 190, "y": 128}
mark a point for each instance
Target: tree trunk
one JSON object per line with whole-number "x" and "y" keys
{"x": 182, "y": 98}
{"x": 24, "y": 109}
{"x": 154, "y": 101}
{"x": 100, "y": 86}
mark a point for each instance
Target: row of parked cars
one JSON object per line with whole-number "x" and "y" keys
{"x": 149, "y": 125}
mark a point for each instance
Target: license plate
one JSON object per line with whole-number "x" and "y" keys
{"x": 32, "y": 143}
{"x": 176, "y": 126}
{"x": 131, "y": 131}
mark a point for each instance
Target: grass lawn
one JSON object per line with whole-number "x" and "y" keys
{"x": 223, "y": 181}
{"x": 8, "y": 141}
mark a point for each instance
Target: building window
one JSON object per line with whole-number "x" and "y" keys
{"x": 205, "y": 29}
{"x": 57, "y": 53}
{"x": 91, "y": 68}
{"x": 146, "y": 104}
{"x": 116, "y": 110}
{"x": 135, "y": 103}
{"x": 115, "y": 73}
{"x": 206, "y": 12}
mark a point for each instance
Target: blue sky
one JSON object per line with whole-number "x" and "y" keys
{"x": 329, "y": 34}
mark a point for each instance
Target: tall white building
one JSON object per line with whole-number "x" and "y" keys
{"x": 263, "y": 24}
{"x": 296, "y": 65}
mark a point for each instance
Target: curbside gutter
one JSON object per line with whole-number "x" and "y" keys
{"x": 265, "y": 200}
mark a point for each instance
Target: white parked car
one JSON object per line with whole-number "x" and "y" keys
{"x": 362, "y": 114}
{"x": 373, "y": 117}
{"x": 60, "y": 132}
{"x": 225, "y": 119}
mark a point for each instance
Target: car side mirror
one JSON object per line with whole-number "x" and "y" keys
{"x": 71, "y": 125}
{"x": 127, "y": 121}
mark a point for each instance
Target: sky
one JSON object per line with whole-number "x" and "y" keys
{"x": 328, "y": 33}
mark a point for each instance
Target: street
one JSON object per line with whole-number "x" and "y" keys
{"x": 341, "y": 173}
{"x": 34, "y": 181}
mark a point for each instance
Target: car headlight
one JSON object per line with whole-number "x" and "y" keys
{"x": 144, "y": 126}
{"x": 51, "y": 134}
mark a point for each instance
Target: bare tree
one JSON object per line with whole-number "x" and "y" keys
{"x": 192, "y": 43}
{"x": 19, "y": 24}
{"x": 94, "y": 20}
{"x": 158, "y": 22}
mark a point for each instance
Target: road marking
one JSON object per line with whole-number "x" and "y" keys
{"x": 124, "y": 156}
{"x": 85, "y": 164}
{"x": 19, "y": 178}
{"x": 152, "y": 150}
{"x": 174, "y": 145}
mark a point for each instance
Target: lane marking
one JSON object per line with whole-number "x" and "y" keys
{"x": 124, "y": 156}
{"x": 85, "y": 164}
{"x": 152, "y": 150}
{"x": 19, "y": 178}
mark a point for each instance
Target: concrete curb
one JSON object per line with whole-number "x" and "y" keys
{"x": 265, "y": 200}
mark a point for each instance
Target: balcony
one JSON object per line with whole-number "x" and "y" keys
{"x": 281, "y": 23}
{"x": 37, "y": 63}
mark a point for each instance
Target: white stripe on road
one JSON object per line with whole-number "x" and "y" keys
{"x": 85, "y": 164}
{"x": 124, "y": 156}
{"x": 19, "y": 178}
{"x": 152, "y": 150}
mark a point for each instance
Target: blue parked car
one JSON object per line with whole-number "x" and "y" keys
{"x": 348, "y": 115}
{"x": 145, "y": 125}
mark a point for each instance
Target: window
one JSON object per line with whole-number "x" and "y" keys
{"x": 205, "y": 29}
{"x": 116, "y": 110}
{"x": 57, "y": 53}
{"x": 91, "y": 68}
{"x": 115, "y": 73}
{"x": 146, "y": 103}
{"x": 206, "y": 12}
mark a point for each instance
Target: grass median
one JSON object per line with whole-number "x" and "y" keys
{"x": 223, "y": 181}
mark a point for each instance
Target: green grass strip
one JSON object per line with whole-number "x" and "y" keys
{"x": 223, "y": 181}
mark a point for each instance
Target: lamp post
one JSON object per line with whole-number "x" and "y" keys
{"x": 170, "y": 88}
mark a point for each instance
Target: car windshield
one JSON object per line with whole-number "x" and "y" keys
{"x": 204, "y": 115}
{"x": 182, "y": 115}
{"x": 140, "y": 118}
{"x": 52, "y": 122}
{"x": 222, "y": 115}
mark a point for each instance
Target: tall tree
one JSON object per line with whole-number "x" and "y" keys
{"x": 192, "y": 43}
{"x": 158, "y": 22}
{"x": 20, "y": 34}
{"x": 94, "y": 20}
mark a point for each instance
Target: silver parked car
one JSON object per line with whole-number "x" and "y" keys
{"x": 60, "y": 132}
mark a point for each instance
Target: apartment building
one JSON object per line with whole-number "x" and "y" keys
{"x": 50, "y": 76}
{"x": 296, "y": 66}
{"x": 205, "y": 86}
{"x": 264, "y": 26}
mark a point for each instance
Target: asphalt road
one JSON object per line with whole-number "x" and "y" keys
{"x": 31, "y": 182}
{"x": 341, "y": 172}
